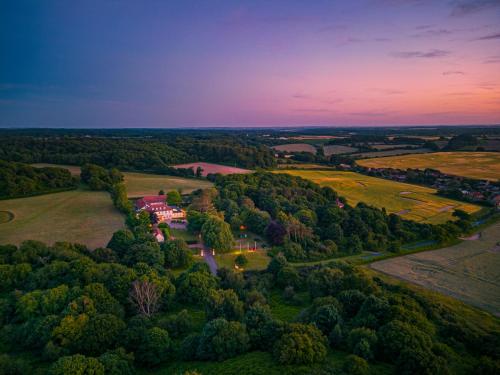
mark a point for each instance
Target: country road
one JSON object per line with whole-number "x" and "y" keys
{"x": 210, "y": 260}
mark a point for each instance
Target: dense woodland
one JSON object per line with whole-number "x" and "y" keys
{"x": 21, "y": 180}
{"x": 304, "y": 221}
{"x": 67, "y": 310}
{"x": 141, "y": 153}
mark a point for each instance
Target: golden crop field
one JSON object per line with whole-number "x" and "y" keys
{"x": 411, "y": 202}
{"x": 481, "y": 165}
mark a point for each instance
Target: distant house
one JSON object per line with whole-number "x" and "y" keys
{"x": 158, "y": 235}
{"x": 157, "y": 207}
{"x": 339, "y": 203}
{"x": 496, "y": 201}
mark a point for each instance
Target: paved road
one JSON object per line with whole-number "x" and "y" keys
{"x": 210, "y": 260}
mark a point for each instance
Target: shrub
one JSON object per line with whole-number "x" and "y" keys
{"x": 221, "y": 339}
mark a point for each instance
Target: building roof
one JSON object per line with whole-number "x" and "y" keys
{"x": 154, "y": 203}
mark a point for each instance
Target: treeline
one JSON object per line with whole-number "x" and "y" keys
{"x": 145, "y": 154}
{"x": 111, "y": 180}
{"x": 116, "y": 309}
{"x": 21, "y": 180}
{"x": 304, "y": 221}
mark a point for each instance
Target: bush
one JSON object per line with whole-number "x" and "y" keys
{"x": 241, "y": 260}
{"x": 302, "y": 344}
{"x": 77, "y": 365}
{"x": 221, "y": 339}
{"x": 154, "y": 348}
{"x": 223, "y": 304}
{"x": 355, "y": 365}
{"x": 13, "y": 366}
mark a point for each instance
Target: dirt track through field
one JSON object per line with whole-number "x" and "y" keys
{"x": 468, "y": 271}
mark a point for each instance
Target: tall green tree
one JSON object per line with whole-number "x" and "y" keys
{"x": 216, "y": 234}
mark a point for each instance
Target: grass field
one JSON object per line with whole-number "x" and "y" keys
{"x": 296, "y": 147}
{"x": 257, "y": 260}
{"x": 304, "y": 166}
{"x": 6, "y": 216}
{"x": 338, "y": 149}
{"x": 384, "y": 153}
{"x": 409, "y": 201}
{"x": 482, "y": 165}
{"x": 141, "y": 184}
{"x": 467, "y": 271}
{"x": 81, "y": 216}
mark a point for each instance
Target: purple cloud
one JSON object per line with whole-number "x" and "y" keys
{"x": 465, "y": 7}
{"x": 433, "y": 53}
{"x": 453, "y": 72}
{"x": 489, "y": 37}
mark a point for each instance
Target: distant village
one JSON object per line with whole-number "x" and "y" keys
{"x": 461, "y": 188}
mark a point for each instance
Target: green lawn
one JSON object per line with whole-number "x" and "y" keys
{"x": 82, "y": 216}
{"x": 140, "y": 184}
{"x": 183, "y": 234}
{"x": 257, "y": 260}
{"x": 411, "y": 202}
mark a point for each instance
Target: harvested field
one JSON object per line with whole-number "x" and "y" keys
{"x": 482, "y": 165}
{"x": 338, "y": 150}
{"x": 213, "y": 168}
{"x": 467, "y": 271}
{"x": 411, "y": 202}
{"x": 379, "y": 154}
{"x": 296, "y": 147}
{"x": 82, "y": 216}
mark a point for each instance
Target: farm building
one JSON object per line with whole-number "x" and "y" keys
{"x": 157, "y": 207}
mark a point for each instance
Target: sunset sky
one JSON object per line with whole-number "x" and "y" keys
{"x": 249, "y": 63}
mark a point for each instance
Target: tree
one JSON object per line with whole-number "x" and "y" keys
{"x": 221, "y": 339}
{"x": 154, "y": 348}
{"x": 355, "y": 365}
{"x": 241, "y": 260}
{"x": 145, "y": 295}
{"x": 326, "y": 317}
{"x": 174, "y": 198}
{"x": 13, "y": 366}
{"x": 276, "y": 264}
{"x": 362, "y": 342}
{"x": 101, "y": 332}
{"x": 193, "y": 286}
{"x": 148, "y": 253}
{"x": 325, "y": 281}
{"x": 288, "y": 276}
{"x": 177, "y": 254}
{"x": 118, "y": 362}
{"x": 275, "y": 233}
{"x": 121, "y": 241}
{"x": 223, "y": 304}
{"x": 77, "y": 365}
{"x": 217, "y": 234}
{"x": 351, "y": 302}
{"x": 263, "y": 329}
{"x": 302, "y": 344}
